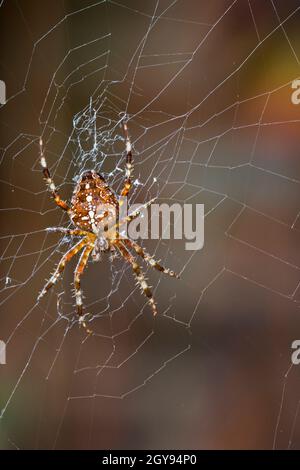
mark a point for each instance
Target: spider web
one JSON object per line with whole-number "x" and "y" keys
{"x": 206, "y": 88}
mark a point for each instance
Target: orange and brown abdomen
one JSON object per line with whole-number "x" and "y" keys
{"x": 92, "y": 198}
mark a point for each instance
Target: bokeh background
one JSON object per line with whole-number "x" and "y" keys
{"x": 207, "y": 90}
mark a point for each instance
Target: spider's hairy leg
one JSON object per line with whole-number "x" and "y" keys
{"x": 137, "y": 212}
{"x": 50, "y": 183}
{"x": 133, "y": 214}
{"x": 68, "y": 231}
{"x": 78, "y": 293}
{"x": 148, "y": 258}
{"x": 61, "y": 266}
{"x": 138, "y": 274}
{"x": 129, "y": 165}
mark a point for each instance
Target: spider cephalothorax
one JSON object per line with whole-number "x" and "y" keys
{"x": 94, "y": 211}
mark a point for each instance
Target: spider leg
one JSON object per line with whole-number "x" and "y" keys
{"x": 50, "y": 183}
{"x": 78, "y": 293}
{"x": 67, "y": 231}
{"x": 137, "y": 212}
{"x": 148, "y": 258}
{"x": 61, "y": 266}
{"x": 129, "y": 165}
{"x": 133, "y": 215}
{"x": 138, "y": 274}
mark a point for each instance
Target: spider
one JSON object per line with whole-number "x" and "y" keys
{"x": 93, "y": 202}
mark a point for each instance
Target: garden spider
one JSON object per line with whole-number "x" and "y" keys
{"x": 93, "y": 202}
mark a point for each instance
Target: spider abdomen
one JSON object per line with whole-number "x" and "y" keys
{"x": 92, "y": 200}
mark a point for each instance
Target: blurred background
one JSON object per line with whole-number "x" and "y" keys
{"x": 207, "y": 90}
